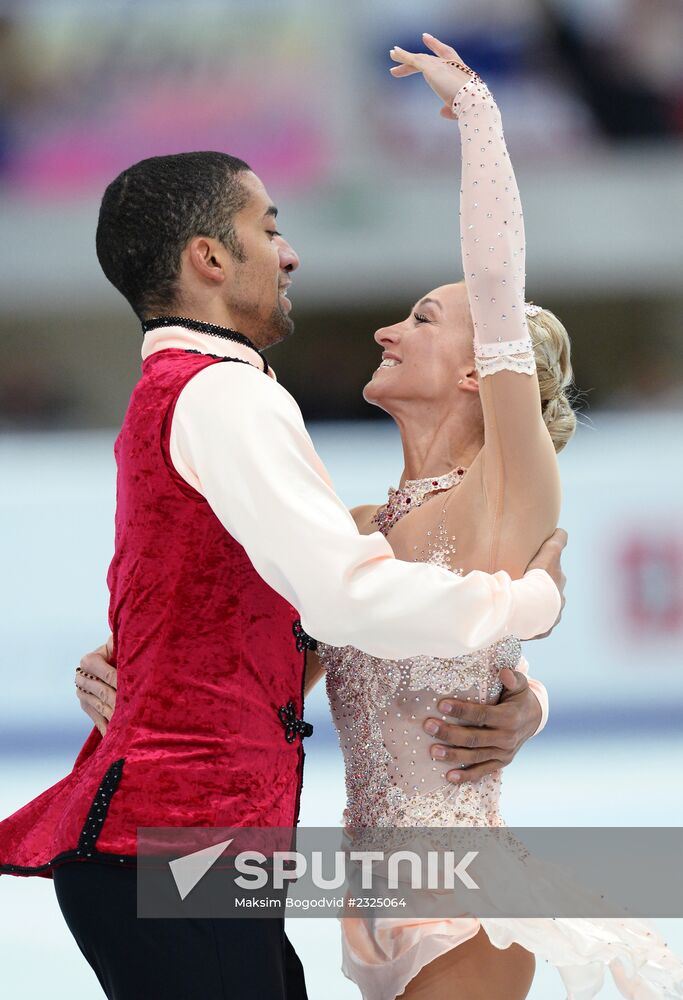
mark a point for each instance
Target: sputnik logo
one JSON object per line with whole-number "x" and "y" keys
{"x": 191, "y": 868}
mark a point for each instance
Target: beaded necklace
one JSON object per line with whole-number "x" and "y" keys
{"x": 412, "y": 494}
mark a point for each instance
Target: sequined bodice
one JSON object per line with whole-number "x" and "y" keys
{"x": 378, "y": 707}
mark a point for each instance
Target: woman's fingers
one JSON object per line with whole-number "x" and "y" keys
{"x": 96, "y": 663}
{"x": 444, "y": 76}
{"x": 93, "y": 692}
{"x": 440, "y": 49}
{"x": 413, "y": 59}
{"x": 403, "y": 70}
{"x": 97, "y": 719}
{"x": 90, "y": 704}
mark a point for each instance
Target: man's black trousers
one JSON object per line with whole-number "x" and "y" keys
{"x": 172, "y": 959}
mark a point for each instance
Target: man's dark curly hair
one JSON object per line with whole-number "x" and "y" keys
{"x": 151, "y": 211}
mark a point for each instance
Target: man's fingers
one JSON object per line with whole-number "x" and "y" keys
{"x": 461, "y": 757}
{"x": 558, "y": 541}
{"x": 461, "y": 736}
{"x": 560, "y": 536}
{"x": 475, "y": 773}
{"x": 467, "y": 711}
{"x": 555, "y": 545}
{"x": 514, "y": 681}
{"x": 471, "y": 737}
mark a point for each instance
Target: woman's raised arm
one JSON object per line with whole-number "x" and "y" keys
{"x": 519, "y": 455}
{"x": 520, "y": 466}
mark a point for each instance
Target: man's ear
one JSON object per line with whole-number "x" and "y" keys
{"x": 207, "y": 259}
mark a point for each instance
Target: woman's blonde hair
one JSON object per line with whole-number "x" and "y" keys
{"x": 552, "y": 351}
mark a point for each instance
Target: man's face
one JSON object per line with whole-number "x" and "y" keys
{"x": 257, "y": 299}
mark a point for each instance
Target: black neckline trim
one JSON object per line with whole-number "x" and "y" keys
{"x": 211, "y": 328}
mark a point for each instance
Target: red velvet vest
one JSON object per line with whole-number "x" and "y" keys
{"x": 207, "y": 729}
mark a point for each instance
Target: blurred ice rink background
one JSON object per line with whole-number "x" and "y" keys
{"x": 366, "y": 177}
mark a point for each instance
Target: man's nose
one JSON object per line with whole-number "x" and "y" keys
{"x": 289, "y": 259}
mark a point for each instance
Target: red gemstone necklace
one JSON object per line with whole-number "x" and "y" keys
{"x": 413, "y": 493}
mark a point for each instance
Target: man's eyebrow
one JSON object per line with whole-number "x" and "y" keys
{"x": 270, "y": 211}
{"x": 427, "y": 300}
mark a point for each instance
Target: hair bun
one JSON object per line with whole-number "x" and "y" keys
{"x": 560, "y": 419}
{"x": 552, "y": 351}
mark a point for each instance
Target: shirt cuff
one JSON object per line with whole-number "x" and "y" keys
{"x": 542, "y": 696}
{"x": 537, "y": 604}
{"x": 539, "y": 691}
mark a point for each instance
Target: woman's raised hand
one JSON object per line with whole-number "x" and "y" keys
{"x": 444, "y": 71}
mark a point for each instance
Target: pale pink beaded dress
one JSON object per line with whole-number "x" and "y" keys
{"x": 378, "y": 705}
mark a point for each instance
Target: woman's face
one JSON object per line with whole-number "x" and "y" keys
{"x": 426, "y": 353}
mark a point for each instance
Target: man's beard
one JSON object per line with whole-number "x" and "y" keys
{"x": 272, "y": 331}
{"x": 278, "y": 327}
{"x": 264, "y": 333}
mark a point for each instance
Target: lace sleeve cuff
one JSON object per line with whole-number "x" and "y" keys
{"x": 507, "y": 355}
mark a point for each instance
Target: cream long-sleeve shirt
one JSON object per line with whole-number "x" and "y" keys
{"x": 238, "y": 438}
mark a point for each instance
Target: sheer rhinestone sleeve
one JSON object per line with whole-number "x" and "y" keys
{"x": 492, "y": 236}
